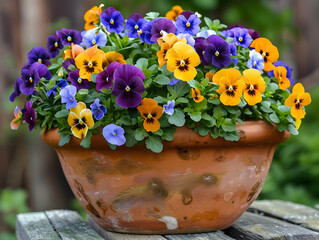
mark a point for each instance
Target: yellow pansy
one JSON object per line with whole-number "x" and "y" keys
{"x": 254, "y": 86}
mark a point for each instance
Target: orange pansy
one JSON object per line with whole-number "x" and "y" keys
{"x": 173, "y": 14}
{"x": 15, "y": 123}
{"x": 92, "y": 17}
{"x": 280, "y": 73}
{"x": 151, "y": 112}
{"x": 110, "y": 57}
{"x": 197, "y": 96}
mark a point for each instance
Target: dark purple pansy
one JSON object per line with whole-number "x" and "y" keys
{"x": 29, "y": 115}
{"x": 112, "y": 20}
{"x": 188, "y": 25}
{"x": 69, "y": 36}
{"x": 104, "y": 79}
{"x": 78, "y": 82}
{"x": 41, "y": 68}
{"x": 289, "y": 71}
{"x": 217, "y": 52}
{"x": 162, "y": 27}
{"x": 233, "y": 53}
{"x": 200, "y": 48}
{"x": 134, "y": 24}
{"x": 54, "y": 46}
{"x": 146, "y": 32}
{"x": 128, "y": 86}
{"x": 254, "y": 34}
{"x": 17, "y": 91}
{"x": 67, "y": 63}
{"x": 40, "y": 55}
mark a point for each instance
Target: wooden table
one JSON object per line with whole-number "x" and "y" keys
{"x": 264, "y": 220}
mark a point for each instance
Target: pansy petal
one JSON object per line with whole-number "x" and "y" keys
{"x": 297, "y": 112}
{"x": 79, "y": 130}
{"x": 151, "y": 125}
{"x": 79, "y": 107}
{"x": 306, "y": 99}
{"x": 87, "y": 118}
{"x": 291, "y": 100}
{"x": 188, "y": 75}
{"x": 73, "y": 119}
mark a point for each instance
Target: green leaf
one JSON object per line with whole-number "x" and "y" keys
{"x": 177, "y": 119}
{"x": 64, "y": 139}
{"x": 124, "y": 120}
{"x": 168, "y": 134}
{"x": 86, "y": 142}
{"x": 154, "y": 143}
{"x": 208, "y": 22}
{"x": 195, "y": 116}
{"x": 203, "y": 130}
{"x": 162, "y": 79}
{"x": 140, "y": 134}
{"x": 147, "y": 73}
{"x": 219, "y": 112}
{"x": 83, "y": 92}
{"x": 274, "y": 118}
{"x": 228, "y": 125}
{"x": 130, "y": 138}
{"x": 181, "y": 100}
{"x": 93, "y": 77}
{"x": 247, "y": 112}
{"x": 151, "y": 15}
{"x": 292, "y": 129}
{"x": 159, "y": 99}
{"x": 61, "y": 114}
{"x": 54, "y": 66}
{"x": 142, "y": 63}
{"x": 232, "y": 136}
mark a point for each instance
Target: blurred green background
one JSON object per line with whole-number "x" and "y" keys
{"x": 30, "y": 176}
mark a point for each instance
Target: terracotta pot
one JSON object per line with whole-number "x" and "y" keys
{"x": 196, "y": 184}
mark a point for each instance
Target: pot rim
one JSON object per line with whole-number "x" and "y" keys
{"x": 251, "y": 133}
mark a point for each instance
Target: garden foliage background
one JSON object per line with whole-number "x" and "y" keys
{"x": 27, "y": 164}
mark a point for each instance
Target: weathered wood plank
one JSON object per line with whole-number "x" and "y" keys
{"x": 251, "y": 226}
{"x": 218, "y": 235}
{"x": 70, "y": 225}
{"x": 117, "y": 236}
{"x": 30, "y": 226}
{"x": 296, "y": 213}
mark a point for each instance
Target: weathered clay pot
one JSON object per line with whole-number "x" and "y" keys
{"x": 196, "y": 184}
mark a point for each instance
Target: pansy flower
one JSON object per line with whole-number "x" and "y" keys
{"x": 111, "y": 57}
{"x": 255, "y": 61}
{"x": 289, "y": 71}
{"x": 69, "y": 36}
{"x": 210, "y": 76}
{"x": 145, "y": 32}
{"x": 173, "y": 14}
{"x": 197, "y": 96}
{"x": 112, "y": 20}
{"x": 91, "y": 38}
{"x": 200, "y": 48}
{"x": 16, "y": 91}
{"x": 230, "y": 86}
{"x": 128, "y": 86}
{"x": 169, "y": 107}
{"x": 114, "y": 134}
{"x": 61, "y": 84}
{"x": 68, "y": 96}
{"x": 267, "y": 50}
{"x": 217, "y": 52}
{"x": 188, "y": 24}
{"x": 233, "y": 53}
{"x": 162, "y": 27}
{"x": 280, "y": 73}
{"x": 73, "y": 51}
{"x": 254, "y": 86}
{"x": 151, "y": 112}
{"x": 29, "y": 115}
{"x": 80, "y": 120}
{"x": 92, "y": 17}
{"x": 54, "y": 46}
{"x": 98, "y": 110}
{"x": 229, "y": 33}
{"x": 104, "y": 80}
{"x": 182, "y": 60}
{"x": 17, "y": 119}
{"x": 241, "y": 37}
{"x": 40, "y": 55}
{"x": 134, "y": 25}
{"x": 79, "y": 83}
{"x": 89, "y": 62}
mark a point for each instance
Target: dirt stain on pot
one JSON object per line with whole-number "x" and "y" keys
{"x": 254, "y": 190}
{"x": 188, "y": 154}
{"x": 208, "y": 215}
{"x": 102, "y": 205}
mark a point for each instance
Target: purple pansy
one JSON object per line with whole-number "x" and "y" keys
{"x": 162, "y": 27}
{"x": 104, "y": 79}
{"x": 146, "y": 32}
{"x": 189, "y": 38}
{"x": 169, "y": 107}
{"x": 289, "y": 71}
{"x": 188, "y": 25}
{"x": 67, "y": 63}
{"x": 217, "y": 52}
{"x": 54, "y": 46}
{"x": 233, "y": 53}
{"x": 78, "y": 82}
{"x": 68, "y": 96}
{"x": 241, "y": 37}
{"x": 29, "y": 115}
{"x": 41, "y": 68}
{"x": 114, "y": 134}
{"x": 112, "y": 20}
{"x": 61, "y": 84}
{"x": 228, "y": 33}
{"x": 200, "y": 48}
{"x": 255, "y": 61}
{"x": 98, "y": 110}
{"x": 69, "y": 36}
{"x": 40, "y": 55}
{"x": 17, "y": 91}
{"x": 91, "y": 38}
{"x": 134, "y": 25}
{"x": 128, "y": 86}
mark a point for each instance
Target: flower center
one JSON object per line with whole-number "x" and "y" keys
{"x": 114, "y": 134}
{"x": 90, "y": 65}
{"x": 182, "y": 63}
{"x": 188, "y": 24}
{"x": 263, "y": 54}
{"x": 56, "y": 44}
{"x": 127, "y": 89}
{"x": 149, "y": 116}
{"x": 136, "y": 27}
{"x": 240, "y": 39}
{"x": 163, "y": 33}
{"x": 39, "y": 60}
{"x": 112, "y": 21}
{"x": 230, "y": 88}
{"x": 30, "y": 80}
{"x": 255, "y": 64}
{"x": 69, "y": 38}
{"x": 139, "y": 32}
{"x": 71, "y": 99}
{"x": 203, "y": 52}
{"x": 216, "y": 53}
{"x": 93, "y": 42}
{"x": 251, "y": 88}
{"x": 79, "y": 80}
{"x": 107, "y": 79}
